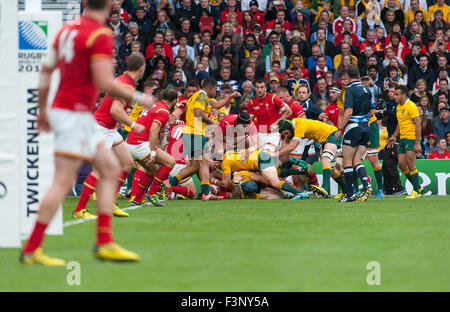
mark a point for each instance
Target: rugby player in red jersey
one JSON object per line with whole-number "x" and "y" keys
{"x": 83, "y": 53}
{"x": 332, "y": 111}
{"x": 296, "y": 107}
{"x": 268, "y": 110}
{"x": 110, "y": 112}
{"x": 238, "y": 131}
{"x": 144, "y": 149}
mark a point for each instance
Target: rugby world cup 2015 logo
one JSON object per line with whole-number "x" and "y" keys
{"x": 33, "y": 35}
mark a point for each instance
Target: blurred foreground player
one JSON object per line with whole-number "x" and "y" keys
{"x": 83, "y": 52}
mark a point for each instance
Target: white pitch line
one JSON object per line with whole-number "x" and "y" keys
{"x": 79, "y": 221}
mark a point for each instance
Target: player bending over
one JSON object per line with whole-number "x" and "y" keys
{"x": 144, "y": 149}
{"x": 300, "y": 128}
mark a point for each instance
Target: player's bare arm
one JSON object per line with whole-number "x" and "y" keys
{"x": 286, "y": 111}
{"x": 288, "y": 148}
{"x": 226, "y": 100}
{"x": 391, "y": 141}
{"x": 344, "y": 120}
{"x": 153, "y": 141}
{"x": 418, "y": 132}
{"x": 47, "y": 68}
{"x": 198, "y": 112}
{"x": 101, "y": 70}
{"x": 120, "y": 115}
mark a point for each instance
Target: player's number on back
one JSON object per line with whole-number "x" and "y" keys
{"x": 66, "y": 45}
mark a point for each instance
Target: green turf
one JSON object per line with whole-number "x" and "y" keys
{"x": 255, "y": 245}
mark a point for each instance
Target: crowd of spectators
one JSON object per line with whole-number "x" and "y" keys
{"x": 288, "y": 43}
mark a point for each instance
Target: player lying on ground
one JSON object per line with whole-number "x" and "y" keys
{"x": 259, "y": 161}
{"x": 300, "y": 128}
{"x": 110, "y": 112}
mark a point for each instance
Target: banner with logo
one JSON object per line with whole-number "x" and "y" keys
{"x": 37, "y": 32}
{"x": 9, "y": 129}
{"x": 434, "y": 176}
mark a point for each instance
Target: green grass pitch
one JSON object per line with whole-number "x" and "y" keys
{"x": 254, "y": 245}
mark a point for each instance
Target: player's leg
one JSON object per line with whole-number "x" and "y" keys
{"x": 193, "y": 148}
{"x": 88, "y": 189}
{"x": 271, "y": 175}
{"x": 413, "y": 173}
{"x": 203, "y": 175}
{"x": 348, "y": 153}
{"x": 362, "y": 172}
{"x": 125, "y": 160}
{"x": 126, "y": 163}
{"x": 372, "y": 155}
{"x": 66, "y": 171}
{"x": 327, "y": 157}
{"x": 141, "y": 181}
{"x": 167, "y": 162}
{"x": 108, "y": 166}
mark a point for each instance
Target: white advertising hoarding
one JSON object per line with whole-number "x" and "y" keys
{"x": 37, "y": 31}
{"x": 9, "y": 130}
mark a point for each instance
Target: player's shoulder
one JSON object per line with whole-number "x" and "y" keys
{"x": 161, "y": 108}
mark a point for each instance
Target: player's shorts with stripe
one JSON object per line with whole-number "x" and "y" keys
{"x": 175, "y": 170}
{"x": 356, "y": 134}
{"x": 300, "y": 148}
{"x": 271, "y": 138}
{"x": 406, "y": 145}
{"x": 140, "y": 151}
{"x": 332, "y": 140}
{"x": 76, "y": 133}
{"x": 374, "y": 136}
{"x": 111, "y": 137}
{"x": 265, "y": 161}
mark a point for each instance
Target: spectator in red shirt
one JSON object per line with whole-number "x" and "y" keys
{"x": 442, "y": 152}
{"x": 232, "y": 7}
{"x": 159, "y": 38}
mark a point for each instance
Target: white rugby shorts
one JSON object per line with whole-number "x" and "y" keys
{"x": 76, "y": 133}
{"x": 111, "y": 136}
{"x": 140, "y": 151}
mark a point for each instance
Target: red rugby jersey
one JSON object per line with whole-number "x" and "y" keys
{"x": 159, "y": 113}
{"x": 332, "y": 111}
{"x": 230, "y": 121}
{"x": 182, "y": 107}
{"x": 266, "y": 111}
{"x": 77, "y": 44}
{"x": 175, "y": 146}
{"x": 297, "y": 109}
{"x": 103, "y": 112}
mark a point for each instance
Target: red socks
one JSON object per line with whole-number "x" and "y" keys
{"x": 161, "y": 175}
{"x": 88, "y": 188}
{"x": 36, "y": 237}
{"x": 182, "y": 190}
{"x": 141, "y": 181}
{"x": 122, "y": 178}
{"x": 312, "y": 179}
{"x": 104, "y": 228}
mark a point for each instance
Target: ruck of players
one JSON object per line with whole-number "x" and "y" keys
{"x": 185, "y": 144}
